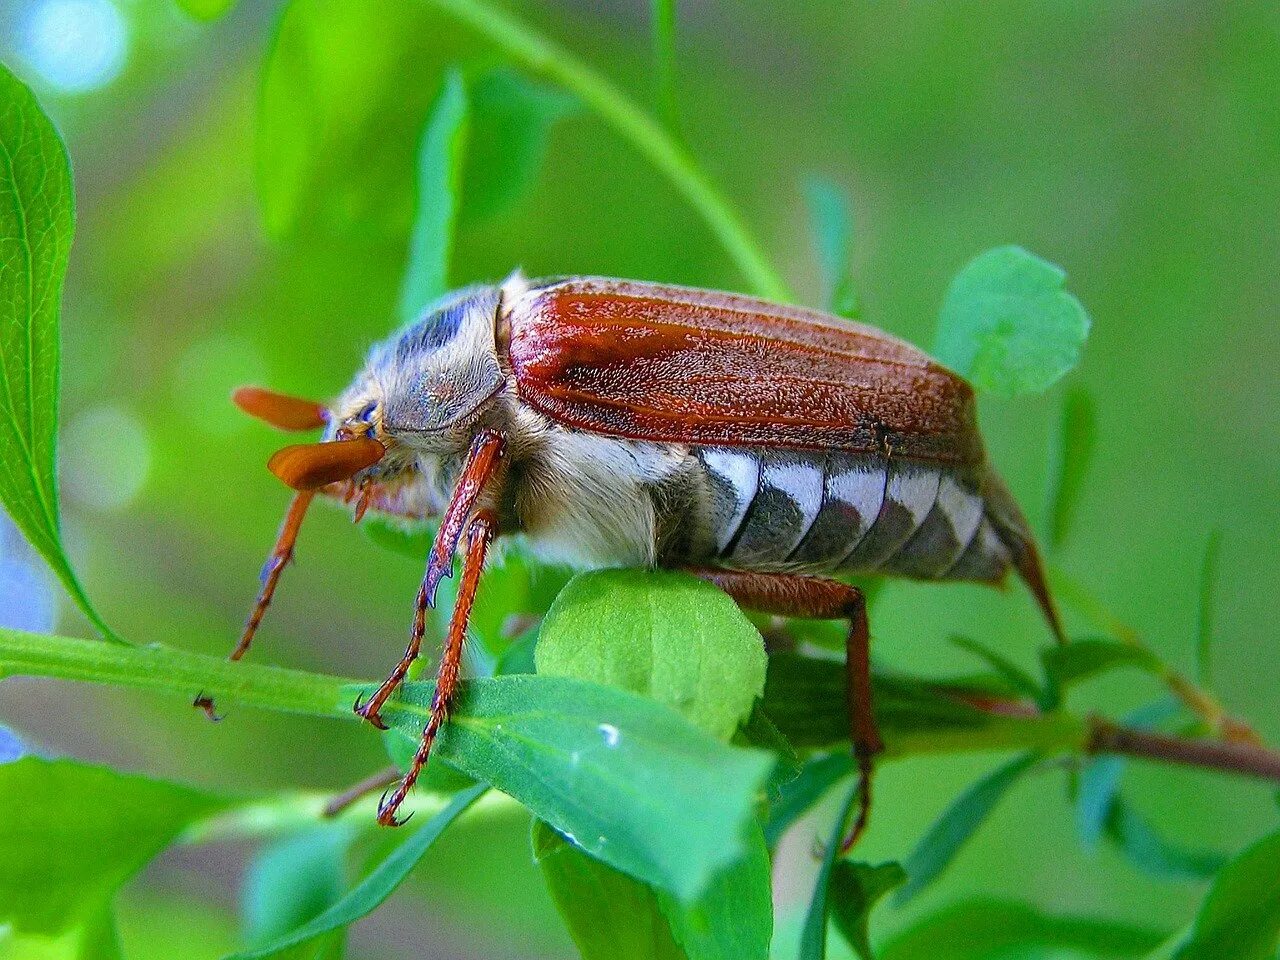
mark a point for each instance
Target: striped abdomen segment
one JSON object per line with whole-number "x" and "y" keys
{"x": 853, "y": 513}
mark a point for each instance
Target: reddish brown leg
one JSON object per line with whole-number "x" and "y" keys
{"x": 480, "y": 533}
{"x": 792, "y": 595}
{"x": 370, "y": 710}
{"x": 271, "y": 571}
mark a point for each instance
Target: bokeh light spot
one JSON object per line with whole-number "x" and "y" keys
{"x": 75, "y": 45}
{"x": 106, "y": 459}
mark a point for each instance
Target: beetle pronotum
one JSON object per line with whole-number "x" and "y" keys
{"x": 616, "y": 423}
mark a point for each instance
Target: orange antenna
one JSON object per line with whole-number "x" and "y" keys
{"x": 279, "y": 409}
{"x": 310, "y": 466}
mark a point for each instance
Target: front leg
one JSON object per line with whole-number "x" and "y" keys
{"x": 479, "y": 477}
{"x": 793, "y": 595}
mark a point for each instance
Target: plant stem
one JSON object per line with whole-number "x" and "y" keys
{"x": 543, "y": 56}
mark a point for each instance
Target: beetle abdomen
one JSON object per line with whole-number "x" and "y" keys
{"x": 849, "y": 513}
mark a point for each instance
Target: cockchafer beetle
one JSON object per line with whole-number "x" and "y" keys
{"x": 619, "y": 423}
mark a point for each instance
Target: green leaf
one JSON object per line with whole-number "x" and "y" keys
{"x": 609, "y": 915}
{"x": 663, "y": 17}
{"x": 998, "y": 930}
{"x": 1017, "y": 678}
{"x": 856, "y": 888}
{"x": 1077, "y": 437}
{"x": 207, "y": 9}
{"x": 294, "y": 880}
{"x": 958, "y": 823}
{"x": 72, "y": 834}
{"x": 813, "y": 935}
{"x": 667, "y": 635}
{"x": 1084, "y": 659}
{"x": 733, "y": 919}
{"x": 1147, "y": 849}
{"x": 634, "y": 783}
{"x": 1205, "y": 609}
{"x": 798, "y": 796}
{"x": 379, "y": 884}
{"x": 407, "y": 540}
{"x": 441, "y": 155}
{"x": 1240, "y": 916}
{"x": 1008, "y": 325}
{"x": 511, "y": 126}
{"x": 37, "y": 221}
{"x": 832, "y": 222}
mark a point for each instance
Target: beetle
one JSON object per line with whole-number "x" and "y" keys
{"x": 762, "y": 447}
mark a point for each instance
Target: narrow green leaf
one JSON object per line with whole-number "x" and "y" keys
{"x": 798, "y": 796}
{"x": 511, "y": 121}
{"x": 291, "y": 882}
{"x": 441, "y": 155}
{"x": 631, "y": 781}
{"x": 379, "y": 884}
{"x": 813, "y": 935}
{"x": 667, "y": 635}
{"x": 1008, "y": 325}
{"x": 37, "y": 221}
{"x": 1073, "y": 452}
{"x": 1153, "y": 853}
{"x": 663, "y": 18}
{"x": 207, "y": 9}
{"x": 958, "y": 823}
{"x": 609, "y": 915}
{"x": 856, "y": 888}
{"x": 1090, "y": 657}
{"x": 832, "y": 222}
{"x": 1240, "y": 916}
{"x": 1017, "y": 678}
{"x": 1205, "y": 609}
{"x": 733, "y": 919}
{"x": 999, "y": 930}
{"x": 72, "y": 834}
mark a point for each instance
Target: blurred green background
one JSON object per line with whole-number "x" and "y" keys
{"x": 1135, "y": 144}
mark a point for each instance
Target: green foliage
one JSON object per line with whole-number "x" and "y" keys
{"x": 207, "y": 9}
{"x": 440, "y": 164}
{"x": 294, "y": 880}
{"x": 630, "y": 780}
{"x": 37, "y": 220}
{"x": 663, "y": 15}
{"x": 797, "y": 796}
{"x": 832, "y": 221}
{"x": 957, "y": 824}
{"x": 856, "y": 888}
{"x": 1072, "y": 454}
{"x": 376, "y": 886}
{"x": 72, "y": 834}
{"x": 669, "y": 636}
{"x": 813, "y": 935}
{"x": 1008, "y": 325}
{"x": 1205, "y": 608}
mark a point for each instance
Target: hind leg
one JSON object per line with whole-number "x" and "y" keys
{"x": 793, "y": 595}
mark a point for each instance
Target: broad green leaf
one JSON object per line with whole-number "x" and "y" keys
{"x": 832, "y": 222}
{"x": 72, "y": 834}
{"x": 207, "y": 9}
{"x": 813, "y": 935}
{"x": 1017, "y": 678}
{"x": 663, "y": 16}
{"x": 441, "y": 155}
{"x": 511, "y": 125}
{"x": 609, "y": 915}
{"x": 798, "y": 796}
{"x": 760, "y": 731}
{"x": 667, "y": 635}
{"x": 1240, "y": 916}
{"x": 957, "y": 824}
{"x": 997, "y": 930}
{"x": 1073, "y": 452}
{"x": 379, "y": 884}
{"x": 37, "y": 220}
{"x": 1204, "y": 611}
{"x": 733, "y": 919}
{"x": 1008, "y": 325}
{"x": 631, "y": 781}
{"x": 856, "y": 888}
{"x": 1144, "y": 846}
{"x": 291, "y": 882}
{"x": 1084, "y": 659}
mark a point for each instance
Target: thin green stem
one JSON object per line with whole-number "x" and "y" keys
{"x": 552, "y": 61}
{"x": 663, "y": 14}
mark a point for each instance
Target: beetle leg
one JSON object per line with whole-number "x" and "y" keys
{"x": 370, "y": 710}
{"x": 793, "y": 595}
{"x": 480, "y": 533}
{"x": 478, "y": 472}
